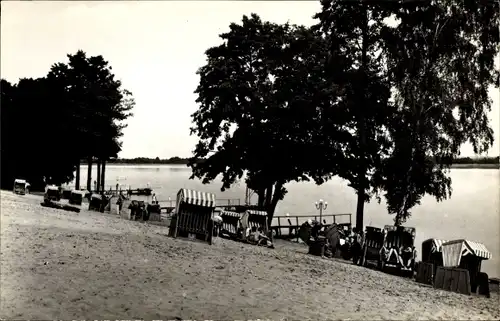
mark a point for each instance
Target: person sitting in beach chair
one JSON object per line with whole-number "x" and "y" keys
{"x": 217, "y": 225}
{"x": 263, "y": 239}
{"x": 406, "y": 253}
{"x": 253, "y": 236}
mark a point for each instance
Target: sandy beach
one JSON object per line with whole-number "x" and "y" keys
{"x": 87, "y": 265}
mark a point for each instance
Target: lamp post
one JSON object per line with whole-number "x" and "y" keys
{"x": 321, "y": 206}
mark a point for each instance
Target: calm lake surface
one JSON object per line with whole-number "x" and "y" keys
{"x": 473, "y": 212}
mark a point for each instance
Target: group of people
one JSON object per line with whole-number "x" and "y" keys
{"x": 254, "y": 235}
{"x": 349, "y": 242}
{"x": 121, "y": 199}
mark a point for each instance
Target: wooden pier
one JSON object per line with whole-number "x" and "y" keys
{"x": 292, "y": 223}
{"x": 145, "y": 191}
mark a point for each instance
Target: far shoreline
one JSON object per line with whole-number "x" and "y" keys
{"x": 454, "y": 166}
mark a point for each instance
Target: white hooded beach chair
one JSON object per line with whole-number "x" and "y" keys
{"x": 194, "y": 210}
{"x": 230, "y": 223}
{"x": 460, "y": 256}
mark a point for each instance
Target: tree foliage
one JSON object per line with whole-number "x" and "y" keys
{"x": 441, "y": 64}
{"x": 420, "y": 91}
{"x": 353, "y": 31}
{"x": 385, "y": 107}
{"x": 98, "y": 104}
{"x": 50, "y": 123}
{"x": 257, "y": 100}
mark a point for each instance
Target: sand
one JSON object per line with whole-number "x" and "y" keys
{"x": 87, "y": 265}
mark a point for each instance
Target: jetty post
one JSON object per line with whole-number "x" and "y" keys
{"x": 103, "y": 174}
{"x": 77, "y": 176}
{"x": 98, "y": 187}
{"x": 89, "y": 173}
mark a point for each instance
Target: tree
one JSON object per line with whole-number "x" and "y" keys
{"x": 352, "y": 30}
{"x": 76, "y": 111}
{"x": 29, "y": 130}
{"x": 98, "y": 103}
{"x": 441, "y": 63}
{"x": 9, "y": 133}
{"x": 258, "y": 110}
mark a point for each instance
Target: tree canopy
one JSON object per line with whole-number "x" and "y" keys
{"x": 440, "y": 61}
{"x": 352, "y": 31}
{"x": 76, "y": 111}
{"x": 384, "y": 106}
{"x": 257, "y": 98}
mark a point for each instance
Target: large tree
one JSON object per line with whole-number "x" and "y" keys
{"x": 417, "y": 91}
{"x": 98, "y": 103}
{"x": 441, "y": 64}
{"x": 352, "y": 31}
{"x": 31, "y": 134}
{"x": 49, "y": 124}
{"x": 259, "y": 100}
{"x": 8, "y": 142}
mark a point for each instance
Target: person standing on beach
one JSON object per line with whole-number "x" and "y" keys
{"x": 153, "y": 199}
{"x": 356, "y": 246}
{"x": 119, "y": 204}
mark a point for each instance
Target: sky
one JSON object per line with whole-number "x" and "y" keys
{"x": 154, "y": 48}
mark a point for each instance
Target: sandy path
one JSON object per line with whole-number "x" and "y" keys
{"x": 62, "y": 265}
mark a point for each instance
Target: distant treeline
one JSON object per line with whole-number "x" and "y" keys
{"x": 478, "y": 160}
{"x": 145, "y": 160}
{"x": 183, "y": 161}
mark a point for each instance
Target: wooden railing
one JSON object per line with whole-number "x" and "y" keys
{"x": 292, "y": 223}
{"x": 228, "y": 202}
{"x": 168, "y": 205}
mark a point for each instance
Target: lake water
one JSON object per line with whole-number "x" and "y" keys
{"x": 473, "y": 212}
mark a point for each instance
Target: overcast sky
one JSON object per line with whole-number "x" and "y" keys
{"x": 155, "y": 49}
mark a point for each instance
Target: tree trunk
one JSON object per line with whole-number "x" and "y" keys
{"x": 274, "y": 201}
{"x": 77, "y": 176}
{"x": 398, "y": 220}
{"x": 360, "y": 207}
{"x": 98, "y": 186}
{"x": 103, "y": 175}
{"x": 361, "y": 129}
{"x": 269, "y": 195}
{"x": 89, "y": 173}
{"x": 262, "y": 197}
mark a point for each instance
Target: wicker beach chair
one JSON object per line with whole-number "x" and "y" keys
{"x": 466, "y": 255}
{"x": 193, "y": 216}
{"x": 255, "y": 220}
{"x": 398, "y": 250}
{"x": 230, "y": 223}
{"x": 76, "y": 197}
